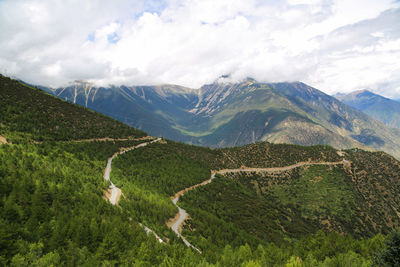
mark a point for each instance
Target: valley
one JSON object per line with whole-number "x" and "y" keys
{"x": 225, "y": 114}
{"x": 263, "y": 204}
{"x": 199, "y": 133}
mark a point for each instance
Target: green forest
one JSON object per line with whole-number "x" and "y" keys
{"x": 29, "y": 114}
{"x": 54, "y": 211}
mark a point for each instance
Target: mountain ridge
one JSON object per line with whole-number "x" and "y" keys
{"x": 55, "y": 209}
{"x": 379, "y": 107}
{"x": 229, "y": 114}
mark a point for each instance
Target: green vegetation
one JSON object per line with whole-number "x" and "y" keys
{"x": 29, "y": 114}
{"x": 153, "y": 168}
{"x": 316, "y": 189}
{"x": 320, "y": 193}
{"x": 390, "y": 255}
{"x": 53, "y": 210}
{"x": 225, "y": 212}
{"x": 298, "y": 202}
{"x": 293, "y": 204}
{"x": 149, "y": 176}
{"x": 235, "y": 114}
{"x": 276, "y": 155}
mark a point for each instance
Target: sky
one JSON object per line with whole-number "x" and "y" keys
{"x": 332, "y": 45}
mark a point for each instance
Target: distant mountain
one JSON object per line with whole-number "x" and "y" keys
{"x": 380, "y": 108}
{"x": 261, "y": 204}
{"x": 156, "y": 109}
{"x": 37, "y": 116}
{"x": 232, "y": 114}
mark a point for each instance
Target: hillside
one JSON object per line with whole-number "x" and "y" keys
{"x": 38, "y": 116}
{"x": 55, "y": 208}
{"x": 354, "y": 188}
{"x": 154, "y": 109}
{"x": 378, "y": 107}
{"x": 257, "y": 208}
{"x": 225, "y": 114}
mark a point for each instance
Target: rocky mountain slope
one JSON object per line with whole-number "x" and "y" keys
{"x": 378, "y": 107}
{"x": 232, "y": 114}
{"x": 155, "y": 109}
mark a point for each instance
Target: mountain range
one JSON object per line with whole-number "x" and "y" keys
{"x": 262, "y": 204}
{"x": 378, "y": 107}
{"x": 231, "y": 114}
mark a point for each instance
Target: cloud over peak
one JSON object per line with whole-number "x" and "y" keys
{"x": 334, "y": 45}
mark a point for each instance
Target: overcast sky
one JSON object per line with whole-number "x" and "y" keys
{"x": 333, "y": 45}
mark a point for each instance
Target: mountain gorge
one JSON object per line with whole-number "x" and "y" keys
{"x": 231, "y": 114}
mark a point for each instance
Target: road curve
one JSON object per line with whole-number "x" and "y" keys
{"x": 182, "y": 215}
{"x": 116, "y": 192}
{"x": 176, "y": 223}
{"x": 149, "y": 231}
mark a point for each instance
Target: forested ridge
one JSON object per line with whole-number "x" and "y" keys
{"x": 54, "y": 213}
{"x": 29, "y": 114}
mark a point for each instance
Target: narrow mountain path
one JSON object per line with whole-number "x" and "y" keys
{"x": 281, "y": 169}
{"x": 115, "y": 191}
{"x": 103, "y": 139}
{"x": 176, "y": 223}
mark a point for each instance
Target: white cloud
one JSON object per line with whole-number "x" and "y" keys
{"x": 334, "y": 45}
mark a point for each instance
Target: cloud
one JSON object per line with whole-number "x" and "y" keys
{"x": 362, "y": 55}
{"x": 334, "y": 45}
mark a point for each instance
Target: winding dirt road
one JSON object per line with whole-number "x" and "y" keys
{"x": 116, "y": 192}
{"x": 104, "y": 139}
{"x": 176, "y": 223}
{"x": 281, "y": 169}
